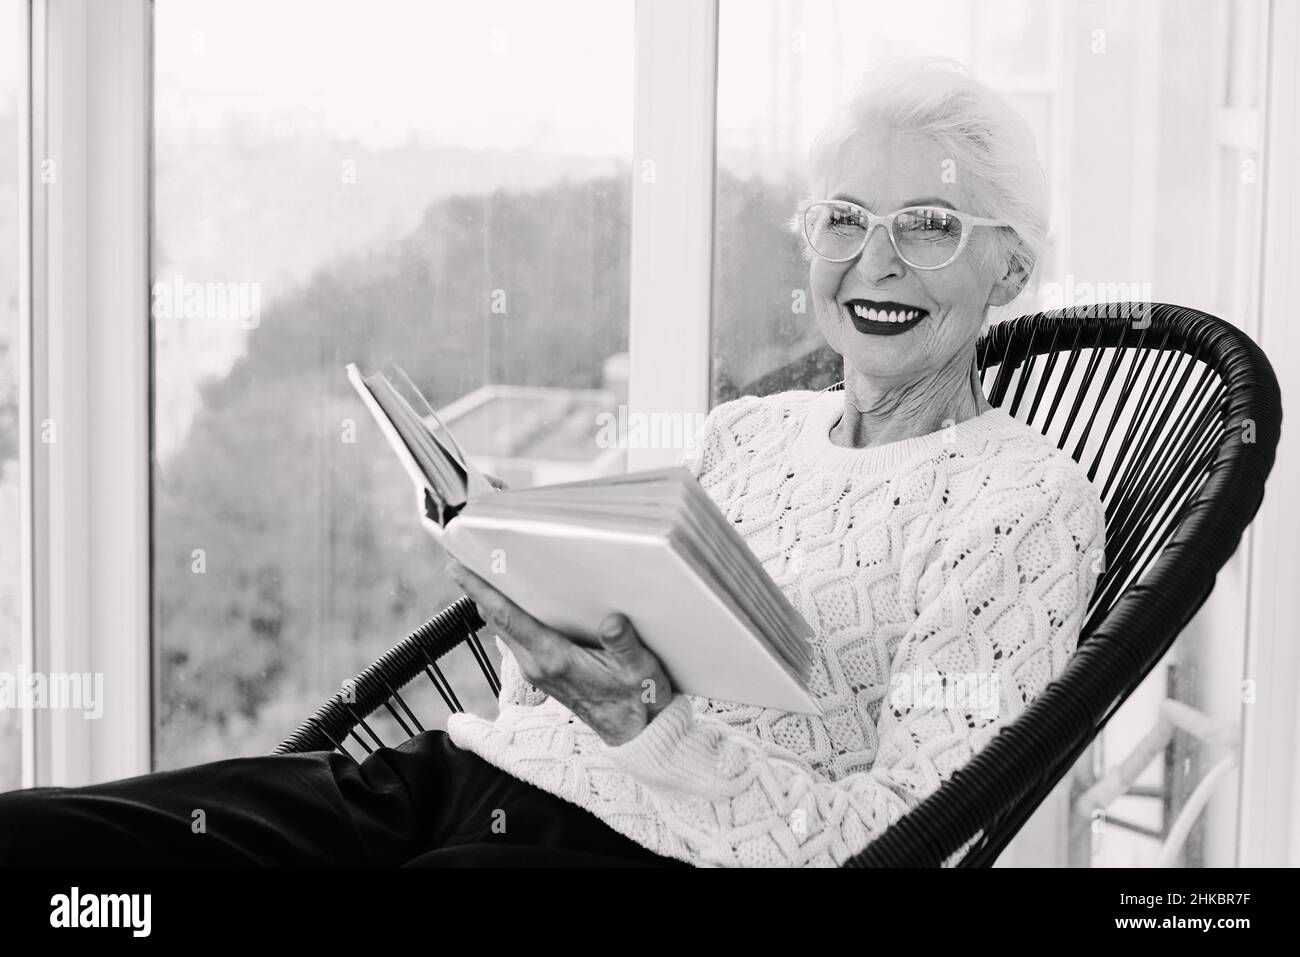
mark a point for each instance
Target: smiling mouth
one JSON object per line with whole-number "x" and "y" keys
{"x": 883, "y": 318}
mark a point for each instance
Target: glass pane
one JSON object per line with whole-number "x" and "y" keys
{"x": 444, "y": 186}
{"x": 10, "y": 570}
{"x": 1132, "y": 133}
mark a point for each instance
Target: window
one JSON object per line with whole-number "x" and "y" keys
{"x": 1149, "y": 124}
{"x": 11, "y": 59}
{"x": 447, "y": 186}
{"x": 362, "y": 207}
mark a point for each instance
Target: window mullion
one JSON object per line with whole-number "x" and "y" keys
{"x": 88, "y": 430}
{"x": 672, "y": 218}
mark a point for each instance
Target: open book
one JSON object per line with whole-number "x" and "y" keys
{"x": 651, "y": 545}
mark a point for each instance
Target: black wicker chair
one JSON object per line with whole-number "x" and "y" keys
{"x": 1176, "y": 416}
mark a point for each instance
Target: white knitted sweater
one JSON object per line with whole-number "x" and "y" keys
{"x": 966, "y": 556}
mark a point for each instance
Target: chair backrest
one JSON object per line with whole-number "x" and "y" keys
{"x": 1175, "y": 415}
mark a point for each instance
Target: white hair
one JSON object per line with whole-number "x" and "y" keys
{"x": 992, "y": 148}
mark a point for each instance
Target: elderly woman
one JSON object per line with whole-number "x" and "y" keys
{"x": 943, "y": 552}
{"x": 932, "y": 541}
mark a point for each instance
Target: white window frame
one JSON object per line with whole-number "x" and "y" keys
{"x": 673, "y": 159}
{"x": 84, "y": 372}
{"x": 1269, "y": 832}
{"x": 85, "y": 242}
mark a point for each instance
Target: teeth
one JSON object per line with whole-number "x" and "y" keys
{"x": 876, "y": 315}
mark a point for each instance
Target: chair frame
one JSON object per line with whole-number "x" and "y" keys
{"x": 1176, "y": 507}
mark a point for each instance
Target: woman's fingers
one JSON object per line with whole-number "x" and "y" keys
{"x": 601, "y": 685}
{"x": 522, "y": 656}
{"x": 619, "y": 638}
{"x": 621, "y": 642}
{"x": 545, "y": 647}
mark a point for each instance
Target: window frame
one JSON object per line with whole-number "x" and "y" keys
{"x": 1267, "y": 829}
{"x": 84, "y": 370}
{"x": 674, "y": 126}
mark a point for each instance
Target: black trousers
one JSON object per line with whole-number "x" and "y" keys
{"x": 424, "y": 803}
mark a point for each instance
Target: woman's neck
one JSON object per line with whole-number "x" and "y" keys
{"x": 875, "y": 416}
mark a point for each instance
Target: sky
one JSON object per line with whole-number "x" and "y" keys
{"x": 483, "y": 74}
{"x": 555, "y": 75}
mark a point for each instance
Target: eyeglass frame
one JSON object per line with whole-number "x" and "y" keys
{"x": 968, "y": 223}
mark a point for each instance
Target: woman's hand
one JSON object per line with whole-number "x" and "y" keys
{"x": 615, "y": 689}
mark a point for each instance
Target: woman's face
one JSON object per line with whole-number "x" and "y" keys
{"x": 884, "y": 170}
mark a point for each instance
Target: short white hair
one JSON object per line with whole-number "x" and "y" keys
{"x": 993, "y": 149}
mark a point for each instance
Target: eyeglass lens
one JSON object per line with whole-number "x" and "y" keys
{"x": 924, "y": 236}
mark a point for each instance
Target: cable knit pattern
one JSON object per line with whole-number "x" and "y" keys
{"x": 924, "y": 566}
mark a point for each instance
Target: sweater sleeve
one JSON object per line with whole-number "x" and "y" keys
{"x": 994, "y": 607}
{"x": 515, "y": 688}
